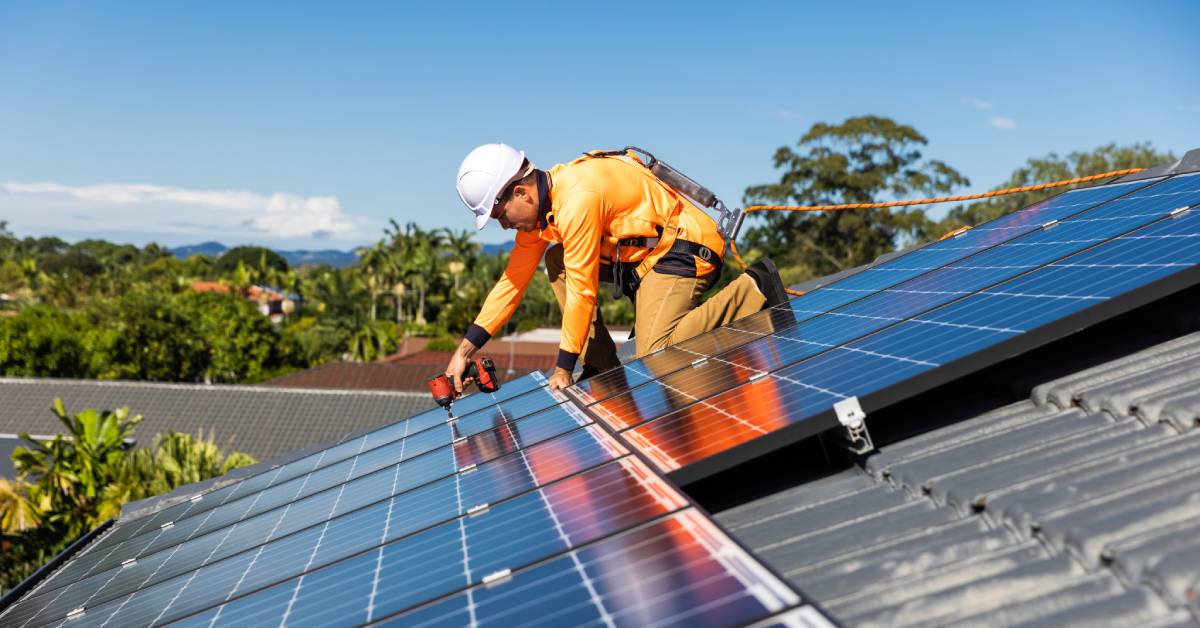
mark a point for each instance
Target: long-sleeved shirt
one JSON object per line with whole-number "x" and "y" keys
{"x": 594, "y": 202}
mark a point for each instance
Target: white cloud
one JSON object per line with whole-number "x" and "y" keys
{"x": 1001, "y": 122}
{"x": 170, "y": 213}
{"x": 977, "y": 103}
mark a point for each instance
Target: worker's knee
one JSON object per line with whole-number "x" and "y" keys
{"x": 554, "y": 262}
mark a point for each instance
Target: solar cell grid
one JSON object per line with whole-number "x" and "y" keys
{"x": 821, "y": 331}
{"x": 312, "y": 474}
{"x": 674, "y": 571}
{"x": 439, "y": 560}
{"x": 971, "y": 322}
{"x": 474, "y": 450}
{"x": 984, "y": 236}
{"x": 870, "y": 280}
{"x": 489, "y": 483}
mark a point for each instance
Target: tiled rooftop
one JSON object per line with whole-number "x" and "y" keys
{"x": 265, "y": 422}
{"x": 1080, "y": 505}
{"x": 394, "y": 376}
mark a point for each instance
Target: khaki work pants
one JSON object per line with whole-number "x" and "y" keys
{"x": 668, "y": 310}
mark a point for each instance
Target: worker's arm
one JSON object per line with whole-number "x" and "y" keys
{"x": 579, "y": 222}
{"x": 501, "y": 302}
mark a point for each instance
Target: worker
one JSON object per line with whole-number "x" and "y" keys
{"x": 603, "y": 217}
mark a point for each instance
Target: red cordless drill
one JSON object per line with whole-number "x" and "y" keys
{"x": 481, "y": 369}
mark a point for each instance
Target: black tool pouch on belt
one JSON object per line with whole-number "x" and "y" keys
{"x": 624, "y": 277}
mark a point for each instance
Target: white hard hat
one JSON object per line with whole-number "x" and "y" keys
{"x": 483, "y": 174}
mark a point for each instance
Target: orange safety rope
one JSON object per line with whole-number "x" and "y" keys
{"x": 924, "y": 201}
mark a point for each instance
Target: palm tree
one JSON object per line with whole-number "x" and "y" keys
{"x": 422, "y": 262}
{"x": 370, "y": 342}
{"x": 379, "y": 267}
{"x": 70, "y": 472}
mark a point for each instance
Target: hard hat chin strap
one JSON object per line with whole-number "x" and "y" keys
{"x": 543, "y": 187}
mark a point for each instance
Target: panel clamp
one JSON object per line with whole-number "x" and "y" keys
{"x": 496, "y": 577}
{"x": 1178, "y": 210}
{"x": 854, "y": 425}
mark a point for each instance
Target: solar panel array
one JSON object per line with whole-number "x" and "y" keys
{"x": 519, "y": 510}
{"x": 780, "y": 372}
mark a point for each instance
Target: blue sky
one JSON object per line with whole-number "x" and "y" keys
{"x": 310, "y": 124}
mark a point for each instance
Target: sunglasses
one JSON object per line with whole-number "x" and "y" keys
{"x": 498, "y": 206}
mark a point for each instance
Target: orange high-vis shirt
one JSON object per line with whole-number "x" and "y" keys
{"x": 594, "y": 202}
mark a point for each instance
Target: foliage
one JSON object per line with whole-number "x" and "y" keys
{"x": 148, "y": 335}
{"x": 42, "y": 341}
{"x": 71, "y": 472}
{"x": 1054, "y": 168}
{"x": 373, "y": 340}
{"x": 256, "y": 257}
{"x": 241, "y": 344}
{"x": 142, "y": 335}
{"x": 857, "y": 161}
{"x": 174, "y": 460}
{"x": 442, "y": 343}
{"x": 72, "y": 482}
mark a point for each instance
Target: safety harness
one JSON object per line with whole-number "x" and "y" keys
{"x": 625, "y": 278}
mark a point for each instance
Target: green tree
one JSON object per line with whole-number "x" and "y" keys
{"x": 1051, "y": 168}
{"x": 69, "y": 474}
{"x": 864, "y": 159}
{"x": 42, "y": 341}
{"x": 379, "y": 268}
{"x": 373, "y": 340}
{"x": 241, "y": 344}
{"x": 72, "y": 482}
{"x": 255, "y": 257}
{"x": 173, "y": 460}
{"x": 144, "y": 335}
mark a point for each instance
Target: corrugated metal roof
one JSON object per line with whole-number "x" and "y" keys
{"x": 264, "y": 422}
{"x": 1078, "y": 506}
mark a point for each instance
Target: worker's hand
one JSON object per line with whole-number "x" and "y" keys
{"x": 459, "y": 361}
{"x": 560, "y": 379}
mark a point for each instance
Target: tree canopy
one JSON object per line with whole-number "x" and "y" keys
{"x": 1106, "y": 158}
{"x": 863, "y": 159}
{"x": 256, "y": 257}
{"x": 69, "y": 484}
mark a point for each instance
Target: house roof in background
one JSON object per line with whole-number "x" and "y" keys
{"x": 1079, "y": 505}
{"x": 380, "y": 376}
{"x": 504, "y": 361}
{"x": 262, "y": 421}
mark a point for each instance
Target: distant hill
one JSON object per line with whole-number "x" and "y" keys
{"x": 212, "y": 249}
{"x": 337, "y": 259}
{"x": 492, "y": 249}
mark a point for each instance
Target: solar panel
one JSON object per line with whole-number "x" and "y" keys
{"x": 928, "y": 322}
{"x": 675, "y": 571}
{"x": 424, "y": 456}
{"x": 870, "y": 280}
{"x": 353, "y": 535}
